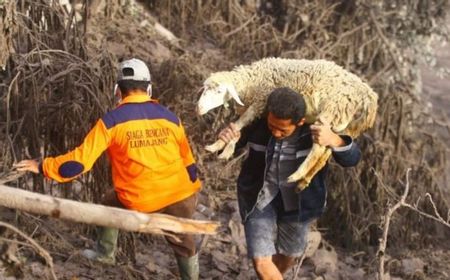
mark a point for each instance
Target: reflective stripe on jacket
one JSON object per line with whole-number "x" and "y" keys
{"x": 152, "y": 163}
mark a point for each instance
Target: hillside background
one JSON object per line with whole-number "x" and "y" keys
{"x": 59, "y": 65}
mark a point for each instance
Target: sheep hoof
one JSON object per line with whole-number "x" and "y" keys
{"x": 226, "y": 154}
{"x": 216, "y": 146}
{"x": 293, "y": 178}
{"x": 213, "y": 147}
{"x": 210, "y": 148}
{"x": 302, "y": 184}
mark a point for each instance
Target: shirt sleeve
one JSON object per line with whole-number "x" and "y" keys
{"x": 348, "y": 155}
{"x": 66, "y": 167}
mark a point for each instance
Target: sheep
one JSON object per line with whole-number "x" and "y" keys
{"x": 333, "y": 97}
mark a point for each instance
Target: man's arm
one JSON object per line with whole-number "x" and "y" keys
{"x": 229, "y": 133}
{"x": 66, "y": 167}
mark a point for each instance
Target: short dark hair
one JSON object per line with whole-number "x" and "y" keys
{"x": 129, "y": 85}
{"x": 286, "y": 104}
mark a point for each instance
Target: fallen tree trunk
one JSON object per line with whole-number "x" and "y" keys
{"x": 101, "y": 215}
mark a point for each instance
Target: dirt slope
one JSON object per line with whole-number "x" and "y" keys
{"x": 222, "y": 256}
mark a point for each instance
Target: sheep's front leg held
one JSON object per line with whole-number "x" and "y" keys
{"x": 228, "y": 151}
{"x": 309, "y": 163}
{"x": 247, "y": 117}
{"x": 219, "y": 145}
{"x": 304, "y": 182}
{"x": 216, "y": 146}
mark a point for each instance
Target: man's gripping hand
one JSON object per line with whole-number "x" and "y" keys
{"x": 229, "y": 133}
{"x": 27, "y": 165}
{"x": 323, "y": 135}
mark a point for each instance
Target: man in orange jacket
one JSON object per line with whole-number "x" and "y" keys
{"x": 153, "y": 169}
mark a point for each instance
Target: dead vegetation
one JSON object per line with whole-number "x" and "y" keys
{"x": 380, "y": 41}
{"x": 60, "y": 74}
{"x": 434, "y": 215}
{"x": 7, "y": 29}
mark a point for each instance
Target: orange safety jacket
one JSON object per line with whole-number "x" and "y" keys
{"x": 152, "y": 163}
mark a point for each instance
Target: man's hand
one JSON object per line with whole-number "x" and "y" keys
{"x": 27, "y": 165}
{"x": 229, "y": 133}
{"x": 323, "y": 135}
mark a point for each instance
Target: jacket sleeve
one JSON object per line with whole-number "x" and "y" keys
{"x": 242, "y": 142}
{"x": 66, "y": 167}
{"x": 348, "y": 155}
{"x": 186, "y": 154}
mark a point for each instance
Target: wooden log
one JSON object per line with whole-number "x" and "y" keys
{"x": 100, "y": 215}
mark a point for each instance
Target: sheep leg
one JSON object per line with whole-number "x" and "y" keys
{"x": 228, "y": 151}
{"x": 313, "y": 157}
{"x": 304, "y": 182}
{"x": 216, "y": 146}
{"x": 228, "y": 148}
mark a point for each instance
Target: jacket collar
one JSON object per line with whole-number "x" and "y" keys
{"x": 137, "y": 98}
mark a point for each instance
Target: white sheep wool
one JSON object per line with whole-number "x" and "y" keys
{"x": 333, "y": 96}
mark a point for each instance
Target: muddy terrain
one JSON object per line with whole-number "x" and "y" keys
{"x": 63, "y": 73}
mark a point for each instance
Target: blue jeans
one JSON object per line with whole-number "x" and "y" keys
{"x": 273, "y": 231}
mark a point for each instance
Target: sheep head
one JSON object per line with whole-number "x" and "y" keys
{"x": 215, "y": 95}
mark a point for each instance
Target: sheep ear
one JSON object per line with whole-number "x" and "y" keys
{"x": 232, "y": 91}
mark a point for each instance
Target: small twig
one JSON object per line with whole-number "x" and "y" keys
{"x": 15, "y": 242}
{"x": 299, "y": 264}
{"x": 8, "y": 113}
{"x": 437, "y": 217}
{"x": 388, "y": 45}
{"x": 240, "y": 27}
{"x": 10, "y": 176}
{"x": 387, "y": 220}
{"x": 38, "y": 248}
{"x": 391, "y": 52}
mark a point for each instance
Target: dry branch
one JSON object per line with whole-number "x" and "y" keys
{"x": 10, "y": 176}
{"x": 101, "y": 215}
{"x": 387, "y": 220}
{"x": 34, "y": 244}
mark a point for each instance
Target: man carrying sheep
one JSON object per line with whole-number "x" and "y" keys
{"x": 276, "y": 218}
{"x": 153, "y": 168}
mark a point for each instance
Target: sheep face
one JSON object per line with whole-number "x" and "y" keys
{"x": 216, "y": 95}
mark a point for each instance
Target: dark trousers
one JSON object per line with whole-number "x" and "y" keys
{"x": 183, "y": 209}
